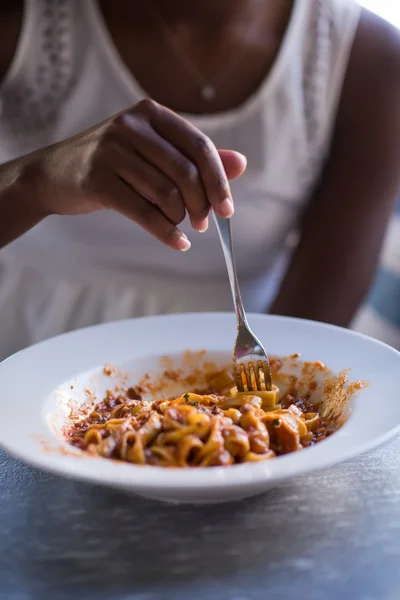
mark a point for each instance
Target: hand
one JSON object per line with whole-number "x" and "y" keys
{"x": 148, "y": 164}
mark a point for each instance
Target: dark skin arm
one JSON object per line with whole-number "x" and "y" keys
{"x": 146, "y": 163}
{"x": 344, "y": 226}
{"x": 20, "y": 206}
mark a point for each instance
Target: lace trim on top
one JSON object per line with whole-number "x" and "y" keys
{"x": 30, "y": 103}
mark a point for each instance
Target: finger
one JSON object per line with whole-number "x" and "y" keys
{"x": 202, "y": 152}
{"x": 140, "y": 136}
{"x": 149, "y": 182}
{"x": 234, "y": 163}
{"x": 121, "y": 197}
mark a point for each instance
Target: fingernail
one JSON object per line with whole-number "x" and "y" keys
{"x": 243, "y": 157}
{"x": 203, "y": 226}
{"x": 226, "y": 208}
{"x": 183, "y": 243}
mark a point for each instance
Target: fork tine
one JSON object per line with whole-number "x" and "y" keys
{"x": 257, "y": 376}
{"x": 260, "y": 373}
{"x": 267, "y": 375}
{"x": 248, "y": 378}
{"x": 244, "y": 379}
{"x": 237, "y": 374}
{"x": 254, "y": 377}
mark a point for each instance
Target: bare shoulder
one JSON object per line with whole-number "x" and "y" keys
{"x": 375, "y": 35}
{"x": 373, "y": 74}
{"x": 11, "y": 12}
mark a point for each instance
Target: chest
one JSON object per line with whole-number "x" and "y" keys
{"x": 199, "y": 60}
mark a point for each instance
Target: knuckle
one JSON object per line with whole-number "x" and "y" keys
{"x": 128, "y": 118}
{"x": 169, "y": 235}
{"x": 171, "y": 198}
{"x": 146, "y": 213}
{"x": 119, "y": 119}
{"x": 204, "y": 146}
{"x": 221, "y": 185}
{"x": 188, "y": 172}
{"x": 169, "y": 193}
{"x": 147, "y": 106}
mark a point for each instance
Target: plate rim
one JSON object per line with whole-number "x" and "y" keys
{"x": 219, "y": 476}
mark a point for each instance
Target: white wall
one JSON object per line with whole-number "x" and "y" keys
{"x": 388, "y": 9}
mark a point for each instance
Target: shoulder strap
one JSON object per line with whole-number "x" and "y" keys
{"x": 333, "y": 25}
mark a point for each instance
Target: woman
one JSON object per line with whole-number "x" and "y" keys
{"x": 307, "y": 90}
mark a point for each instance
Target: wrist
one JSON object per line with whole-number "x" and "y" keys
{"x": 21, "y": 198}
{"x": 33, "y": 186}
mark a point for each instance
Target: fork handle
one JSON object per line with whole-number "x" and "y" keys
{"x": 225, "y": 235}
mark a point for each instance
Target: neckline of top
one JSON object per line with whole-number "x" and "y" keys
{"x": 130, "y": 83}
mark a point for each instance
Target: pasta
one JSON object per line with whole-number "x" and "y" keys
{"x": 214, "y": 427}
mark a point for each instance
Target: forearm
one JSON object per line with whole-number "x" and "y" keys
{"x": 322, "y": 284}
{"x": 20, "y": 206}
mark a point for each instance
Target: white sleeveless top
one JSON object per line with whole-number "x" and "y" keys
{"x": 67, "y": 75}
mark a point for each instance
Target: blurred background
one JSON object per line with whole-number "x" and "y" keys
{"x": 388, "y": 9}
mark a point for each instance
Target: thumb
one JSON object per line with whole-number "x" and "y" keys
{"x": 234, "y": 163}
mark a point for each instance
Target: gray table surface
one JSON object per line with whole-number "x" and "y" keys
{"x": 330, "y": 534}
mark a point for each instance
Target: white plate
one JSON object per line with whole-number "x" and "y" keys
{"x": 36, "y": 382}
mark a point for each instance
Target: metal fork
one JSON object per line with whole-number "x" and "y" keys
{"x": 250, "y": 361}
